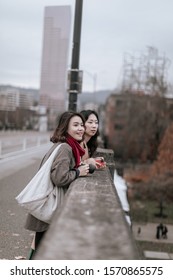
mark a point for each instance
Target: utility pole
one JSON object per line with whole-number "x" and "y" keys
{"x": 74, "y": 72}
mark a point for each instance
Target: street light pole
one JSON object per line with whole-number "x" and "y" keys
{"x": 74, "y": 73}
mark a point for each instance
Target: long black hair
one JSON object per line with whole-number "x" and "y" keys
{"x": 92, "y": 144}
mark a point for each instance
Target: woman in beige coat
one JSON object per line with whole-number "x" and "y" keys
{"x": 66, "y": 165}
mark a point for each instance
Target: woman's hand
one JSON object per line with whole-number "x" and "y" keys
{"x": 100, "y": 163}
{"x": 90, "y": 161}
{"x": 83, "y": 169}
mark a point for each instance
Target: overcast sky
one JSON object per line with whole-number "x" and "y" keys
{"x": 109, "y": 29}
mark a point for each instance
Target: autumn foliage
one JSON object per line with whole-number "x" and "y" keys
{"x": 160, "y": 173}
{"x": 164, "y": 163}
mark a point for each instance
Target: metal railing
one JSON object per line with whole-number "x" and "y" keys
{"x": 13, "y": 145}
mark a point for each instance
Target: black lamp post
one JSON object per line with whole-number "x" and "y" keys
{"x": 74, "y": 72}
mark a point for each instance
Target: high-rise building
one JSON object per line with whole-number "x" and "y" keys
{"x": 56, "y": 38}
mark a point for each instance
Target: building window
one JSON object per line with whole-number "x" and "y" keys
{"x": 120, "y": 103}
{"x": 118, "y": 126}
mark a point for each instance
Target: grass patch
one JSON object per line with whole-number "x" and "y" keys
{"x": 146, "y": 211}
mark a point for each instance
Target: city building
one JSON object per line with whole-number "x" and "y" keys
{"x": 53, "y": 81}
{"x": 17, "y": 110}
{"x": 134, "y": 124}
{"x": 12, "y": 98}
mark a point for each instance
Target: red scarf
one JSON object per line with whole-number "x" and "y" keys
{"x": 78, "y": 152}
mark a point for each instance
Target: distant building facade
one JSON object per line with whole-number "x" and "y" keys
{"x": 17, "y": 108}
{"x": 11, "y": 98}
{"x": 134, "y": 125}
{"x": 56, "y": 37}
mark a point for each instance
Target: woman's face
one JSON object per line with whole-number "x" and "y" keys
{"x": 91, "y": 125}
{"x": 76, "y": 128}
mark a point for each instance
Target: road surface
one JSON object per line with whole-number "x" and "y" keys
{"x": 15, "y": 173}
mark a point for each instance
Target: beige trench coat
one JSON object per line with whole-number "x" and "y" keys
{"x": 62, "y": 174}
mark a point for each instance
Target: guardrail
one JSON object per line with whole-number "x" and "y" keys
{"x": 17, "y": 145}
{"x": 91, "y": 224}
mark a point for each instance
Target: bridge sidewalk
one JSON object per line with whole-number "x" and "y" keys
{"x": 148, "y": 233}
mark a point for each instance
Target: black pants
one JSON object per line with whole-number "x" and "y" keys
{"x": 38, "y": 238}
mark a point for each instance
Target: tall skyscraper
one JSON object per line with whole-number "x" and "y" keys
{"x": 56, "y": 38}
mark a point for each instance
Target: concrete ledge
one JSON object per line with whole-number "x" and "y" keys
{"x": 157, "y": 255}
{"x": 91, "y": 224}
{"x": 108, "y": 155}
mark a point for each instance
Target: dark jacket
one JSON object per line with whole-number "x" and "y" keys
{"x": 62, "y": 174}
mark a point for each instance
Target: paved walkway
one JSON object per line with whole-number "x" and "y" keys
{"x": 148, "y": 233}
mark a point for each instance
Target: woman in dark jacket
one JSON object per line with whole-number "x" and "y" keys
{"x": 66, "y": 165}
{"x": 90, "y": 142}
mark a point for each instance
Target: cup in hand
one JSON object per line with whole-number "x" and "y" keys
{"x": 100, "y": 163}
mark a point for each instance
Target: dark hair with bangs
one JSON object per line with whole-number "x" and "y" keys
{"x": 92, "y": 143}
{"x": 60, "y": 132}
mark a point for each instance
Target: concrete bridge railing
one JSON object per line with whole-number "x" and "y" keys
{"x": 91, "y": 224}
